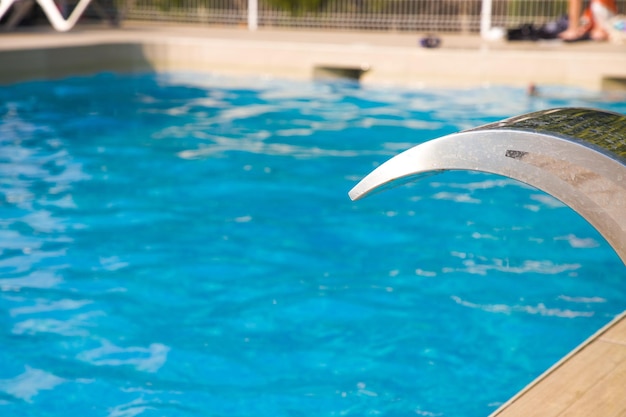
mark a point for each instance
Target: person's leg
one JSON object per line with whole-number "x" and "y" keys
{"x": 574, "y": 28}
{"x": 601, "y": 14}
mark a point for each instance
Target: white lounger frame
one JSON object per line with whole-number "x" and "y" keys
{"x": 51, "y": 10}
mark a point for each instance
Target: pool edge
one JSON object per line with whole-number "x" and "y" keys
{"x": 393, "y": 59}
{"x": 571, "y": 386}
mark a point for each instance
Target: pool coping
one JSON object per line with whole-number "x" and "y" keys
{"x": 392, "y": 59}
{"x": 573, "y": 388}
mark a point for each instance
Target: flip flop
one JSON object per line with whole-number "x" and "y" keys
{"x": 584, "y": 37}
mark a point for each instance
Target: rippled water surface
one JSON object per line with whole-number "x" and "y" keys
{"x": 183, "y": 245}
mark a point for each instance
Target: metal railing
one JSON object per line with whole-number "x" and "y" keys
{"x": 461, "y": 16}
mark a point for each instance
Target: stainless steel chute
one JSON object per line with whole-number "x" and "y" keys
{"x": 577, "y": 155}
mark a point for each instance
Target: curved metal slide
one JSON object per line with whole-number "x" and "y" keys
{"x": 577, "y": 155}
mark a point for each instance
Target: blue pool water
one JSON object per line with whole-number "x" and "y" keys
{"x": 183, "y": 245}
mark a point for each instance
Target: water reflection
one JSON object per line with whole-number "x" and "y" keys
{"x": 28, "y": 384}
{"x": 147, "y": 359}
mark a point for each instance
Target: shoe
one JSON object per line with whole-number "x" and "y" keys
{"x": 430, "y": 42}
{"x": 584, "y": 37}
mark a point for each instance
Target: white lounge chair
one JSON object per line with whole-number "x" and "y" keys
{"x": 50, "y": 9}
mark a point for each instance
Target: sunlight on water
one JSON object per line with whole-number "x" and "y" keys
{"x": 183, "y": 245}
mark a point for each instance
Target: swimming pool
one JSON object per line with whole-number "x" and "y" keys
{"x": 183, "y": 245}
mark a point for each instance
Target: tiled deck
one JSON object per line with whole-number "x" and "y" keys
{"x": 591, "y": 381}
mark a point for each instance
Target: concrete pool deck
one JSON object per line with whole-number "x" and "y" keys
{"x": 390, "y": 58}
{"x": 590, "y": 380}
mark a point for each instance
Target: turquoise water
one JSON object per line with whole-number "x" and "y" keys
{"x": 183, "y": 245}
